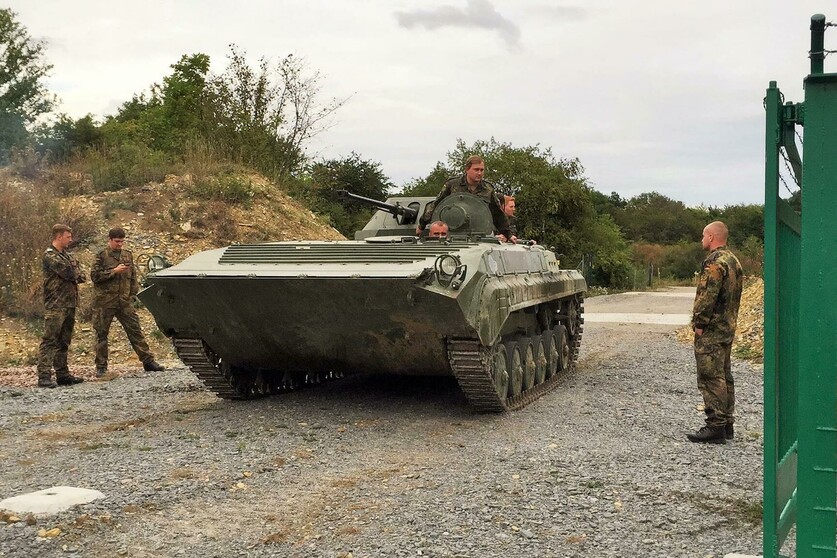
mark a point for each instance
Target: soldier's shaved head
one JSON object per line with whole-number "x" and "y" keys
{"x": 719, "y": 229}
{"x": 715, "y": 234}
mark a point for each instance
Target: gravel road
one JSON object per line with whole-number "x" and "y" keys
{"x": 397, "y": 466}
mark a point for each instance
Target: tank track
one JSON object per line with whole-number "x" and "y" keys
{"x": 470, "y": 363}
{"x": 229, "y": 384}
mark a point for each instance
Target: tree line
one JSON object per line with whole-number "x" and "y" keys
{"x": 261, "y": 117}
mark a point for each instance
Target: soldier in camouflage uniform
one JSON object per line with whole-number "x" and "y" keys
{"x": 508, "y": 204}
{"x": 115, "y": 284}
{"x": 714, "y": 319}
{"x": 472, "y": 183}
{"x": 62, "y": 275}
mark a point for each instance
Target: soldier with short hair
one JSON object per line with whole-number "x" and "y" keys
{"x": 438, "y": 230}
{"x": 114, "y": 285}
{"x": 714, "y": 318}
{"x": 508, "y": 205}
{"x": 471, "y": 182}
{"x": 62, "y": 274}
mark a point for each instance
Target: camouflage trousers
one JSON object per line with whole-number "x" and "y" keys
{"x": 715, "y": 382}
{"x": 55, "y": 343}
{"x": 127, "y": 316}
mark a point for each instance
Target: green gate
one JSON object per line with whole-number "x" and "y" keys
{"x": 800, "y": 314}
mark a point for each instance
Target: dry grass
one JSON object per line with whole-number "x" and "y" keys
{"x": 184, "y": 473}
{"x": 124, "y": 425}
{"x": 344, "y": 483}
{"x": 61, "y": 434}
{"x": 348, "y": 530}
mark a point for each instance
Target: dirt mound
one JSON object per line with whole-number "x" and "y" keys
{"x": 160, "y": 218}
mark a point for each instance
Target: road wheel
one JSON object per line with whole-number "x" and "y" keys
{"x": 550, "y": 345}
{"x": 500, "y": 371}
{"x": 563, "y": 347}
{"x": 527, "y": 354}
{"x": 515, "y": 369}
{"x": 541, "y": 359}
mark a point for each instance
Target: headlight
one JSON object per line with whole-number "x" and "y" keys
{"x": 448, "y": 265}
{"x": 156, "y": 263}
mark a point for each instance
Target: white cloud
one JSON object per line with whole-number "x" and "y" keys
{"x": 476, "y": 14}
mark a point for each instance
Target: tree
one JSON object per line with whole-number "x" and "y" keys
{"x": 359, "y": 176}
{"x": 653, "y": 217}
{"x": 66, "y": 136}
{"x": 264, "y": 116}
{"x": 744, "y": 221}
{"x": 23, "y": 95}
{"x": 431, "y": 184}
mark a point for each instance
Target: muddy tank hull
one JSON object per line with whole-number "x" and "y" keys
{"x": 325, "y": 324}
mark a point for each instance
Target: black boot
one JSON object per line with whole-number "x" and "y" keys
{"x": 729, "y": 430}
{"x": 46, "y": 381}
{"x": 69, "y": 380}
{"x": 101, "y": 371}
{"x": 152, "y": 366}
{"x": 709, "y": 435}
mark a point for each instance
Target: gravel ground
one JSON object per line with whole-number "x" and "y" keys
{"x": 394, "y": 466}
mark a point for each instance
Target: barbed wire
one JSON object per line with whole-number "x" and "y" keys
{"x": 799, "y": 137}
{"x": 782, "y": 180}
{"x": 790, "y": 170}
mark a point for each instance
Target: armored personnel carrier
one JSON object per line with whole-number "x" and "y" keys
{"x": 257, "y": 319}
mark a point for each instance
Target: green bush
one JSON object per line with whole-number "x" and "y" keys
{"x": 229, "y": 188}
{"x": 124, "y": 165}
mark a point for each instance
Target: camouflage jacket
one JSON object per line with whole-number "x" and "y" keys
{"x": 458, "y": 185}
{"x": 112, "y": 290}
{"x": 718, "y": 296}
{"x": 62, "y": 275}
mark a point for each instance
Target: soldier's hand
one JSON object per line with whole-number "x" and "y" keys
{"x": 418, "y": 230}
{"x": 121, "y": 268}
{"x": 698, "y": 332}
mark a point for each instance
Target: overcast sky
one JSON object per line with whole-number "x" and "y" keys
{"x": 649, "y": 95}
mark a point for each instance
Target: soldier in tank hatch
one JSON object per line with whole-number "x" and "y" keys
{"x": 62, "y": 275}
{"x": 438, "y": 230}
{"x": 115, "y": 284}
{"x": 471, "y": 182}
{"x": 714, "y": 319}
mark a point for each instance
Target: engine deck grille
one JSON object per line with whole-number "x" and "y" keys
{"x": 336, "y": 253}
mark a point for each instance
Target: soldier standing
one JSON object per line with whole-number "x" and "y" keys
{"x": 115, "y": 284}
{"x": 714, "y": 319}
{"x": 62, "y": 275}
{"x": 472, "y": 183}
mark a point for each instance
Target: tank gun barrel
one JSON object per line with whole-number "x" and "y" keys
{"x": 394, "y": 209}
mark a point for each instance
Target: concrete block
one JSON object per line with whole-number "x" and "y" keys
{"x": 51, "y": 500}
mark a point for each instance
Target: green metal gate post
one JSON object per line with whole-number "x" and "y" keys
{"x": 800, "y": 318}
{"x": 782, "y": 230}
{"x": 817, "y": 434}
